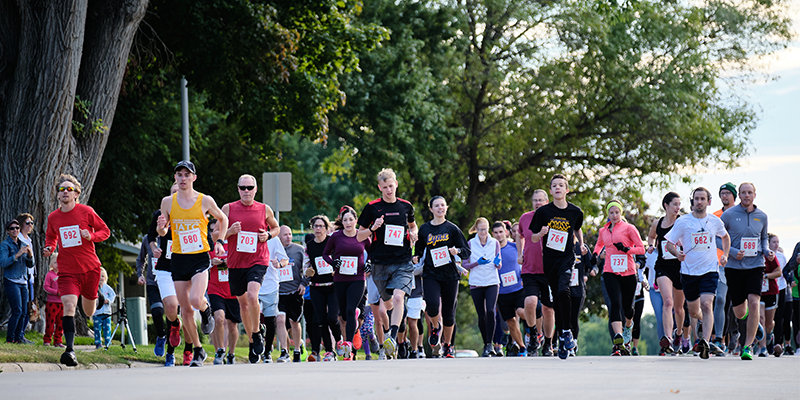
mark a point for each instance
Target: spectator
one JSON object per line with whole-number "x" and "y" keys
{"x": 25, "y": 228}
{"x": 54, "y": 309}
{"x": 102, "y": 317}
{"x": 15, "y": 258}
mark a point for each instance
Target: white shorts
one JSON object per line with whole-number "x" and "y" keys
{"x": 165, "y": 284}
{"x": 414, "y": 307}
{"x": 269, "y": 304}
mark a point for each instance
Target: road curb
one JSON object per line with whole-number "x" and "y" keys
{"x": 43, "y": 367}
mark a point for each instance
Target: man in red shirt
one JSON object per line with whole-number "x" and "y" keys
{"x": 74, "y": 228}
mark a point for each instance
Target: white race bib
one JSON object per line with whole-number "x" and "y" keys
{"x": 666, "y": 254}
{"x": 190, "y": 241}
{"x": 750, "y": 246}
{"x": 557, "y": 240}
{"x": 701, "y": 241}
{"x": 619, "y": 262}
{"x": 285, "y": 274}
{"x": 393, "y": 236}
{"x": 349, "y": 265}
{"x": 169, "y": 249}
{"x": 323, "y": 268}
{"x": 246, "y": 242}
{"x": 70, "y": 236}
{"x": 509, "y": 278}
{"x": 638, "y": 288}
{"x": 222, "y": 274}
{"x": 440, "y": 256}
{"x": 573, "y": 278}
{"x": 764, "y": 285}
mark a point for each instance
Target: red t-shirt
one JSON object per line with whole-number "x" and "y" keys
{"x": 218, "y": 280}
{"x": 78, "y": 255}
{"x": 252, "y": 218}
{"x": 532, "y": 253}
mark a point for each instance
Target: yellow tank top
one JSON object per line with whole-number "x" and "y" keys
{"x": 189, "y": 227}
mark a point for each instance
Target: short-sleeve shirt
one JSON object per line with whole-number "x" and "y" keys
{"x": 532, "y": 253}
{"x": 567, "y": 220}
{"x": 697, "y": 236}
{"x": 399, "y": 213}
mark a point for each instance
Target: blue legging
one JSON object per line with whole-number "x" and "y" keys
{"x": 485, "y": 298}
{"x": 102, "y": 323}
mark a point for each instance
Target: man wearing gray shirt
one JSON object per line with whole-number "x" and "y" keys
{"x": 747, "y": 226}
{"x": 292, "y": 288}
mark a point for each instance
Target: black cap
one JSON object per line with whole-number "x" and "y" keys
{"x": 186, "y": 164}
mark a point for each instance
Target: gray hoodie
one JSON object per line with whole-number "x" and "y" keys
{"x": 741, "y": 224}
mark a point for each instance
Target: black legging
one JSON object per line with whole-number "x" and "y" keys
{"x": 485, "y": 298}
{"x": 577, "y": 306}
{"x": 558, "y": 276}
{"x": 448, "y": 292}
{"x": 795, "y": 321}
{"x": 326, "y": 314}
{"x": 778, "y": 329}
{"x": 349, "y": 294}
{"x": 638, "y": 307}
{"x": 621, "y": 290}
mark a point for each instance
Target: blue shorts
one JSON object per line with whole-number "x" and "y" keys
{"x": 694, "y": 285}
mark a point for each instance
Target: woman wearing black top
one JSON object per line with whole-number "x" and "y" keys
{"x": 323, "y": 297}
{"x": 439, "y": 241}
{"x": 668, "y": 270}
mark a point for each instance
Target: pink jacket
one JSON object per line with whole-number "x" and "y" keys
{"x": 51, "y": 287}
{"x": 629, "y": 236}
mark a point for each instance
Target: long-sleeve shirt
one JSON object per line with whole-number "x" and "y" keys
{"x": 433, "y": 237}
{"x": 109, "y": 295}
{"x": 741, "y": 224}
{"x": 340, "y": 245}
{"x": 14, "y": 270}
{"x": 144, "y": 262}
{"x": 51, "y": 287}
{"x": 296, "y": 255}
{"x": 619, "y": 262}
{"x": 78, "y": 256}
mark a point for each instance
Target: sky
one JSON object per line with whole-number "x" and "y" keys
{"x": 773, "y": 164}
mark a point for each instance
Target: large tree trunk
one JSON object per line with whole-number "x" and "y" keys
{"x": 49, "y": 52}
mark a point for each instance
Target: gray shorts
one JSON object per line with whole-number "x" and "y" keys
{"x": 269, "y": 304}
{"x": 372, "y": 292}
{"x": 388, "y": 277}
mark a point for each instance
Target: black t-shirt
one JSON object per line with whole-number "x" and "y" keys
{"x": 314, "y": 250}
{"x": 400, "y": 213}
{"x": 435, "y": 236}
{"x": 567, "y": 220}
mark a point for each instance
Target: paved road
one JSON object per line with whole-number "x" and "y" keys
{"x": 642, "y": 378}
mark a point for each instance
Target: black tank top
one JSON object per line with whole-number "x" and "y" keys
{"x": 660, "y": 234}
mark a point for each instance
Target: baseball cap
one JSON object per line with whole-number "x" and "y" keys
{"x": 186, "y": 164}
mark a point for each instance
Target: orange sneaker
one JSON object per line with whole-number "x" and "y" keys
{"x": 357, "y": 340}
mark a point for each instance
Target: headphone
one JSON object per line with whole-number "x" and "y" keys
{"x": 691, "y": 196}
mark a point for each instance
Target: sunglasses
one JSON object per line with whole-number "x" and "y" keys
{"x": 66, "y": 189}
{"x": 246, "y": 187}
{"x": 13, "y": 228}
{"x": 29, "y": 223}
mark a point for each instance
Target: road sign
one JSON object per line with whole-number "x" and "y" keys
{"x": 277, "y": 189}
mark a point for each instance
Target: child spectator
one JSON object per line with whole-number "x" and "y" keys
{"x": 102, "y": 317}
{"x": 54, "y": 309}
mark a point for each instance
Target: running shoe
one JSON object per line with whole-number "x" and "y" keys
{"x": 402, "y": 350}
{"x": 199, "y": 357}
{"x": 357, "y": 339}
{"x": 347, "y": 348}
{"x": 175, "y": 333}
{"x": 618, "y": 339}
{"x": 770, "y": 343}
{"x": 533, "y": 348}
{"x": 187, "y": 357}
{"x": 760, "y": 332}
{"x": 497, "y": 351}
{"x": 733, "y": 344}
{"x": 420, "y": 352}
{"x": 391, "y": 347}
{"x": 718, "y": 343}
{"x": 762, "y": 352}
{"x": 627, "y": 333}
{"x": 789, "y": 350}
{"x": 339, "y": 349}
{"x": 547, "y": 351}
{"x": 46, "y": 343}
{"x": 61, "y": 345}
{"x": 716, "y": 350}
{"x": 777, "y": 350}
{"x": 676, "y": 342}
{"x": 413, "y": 355}
{"x": 68, "y": 358}
{"x": 563, "y": 352}
{"x": 615, "y": 351}
{"x": 696, "y": 347}
{"x": 207, "y": 323}
{"x": 381, "y": 354}
{"x": 569, "y": 342}
{"x": 634, "y": 351}
{"x": 666, "y": 345}
{"x": 230, "y": 359}
{"x": 512, "y": 350}
{"x": 704, "y": 349}
{"x": 170, "y": 360}
{"x": 373, "y": 343}
{"x": 258, "y": 344}
{"x": 572, "y": 353}
{"x": 746, "y": 353}
{"x": 284, "y": 357}
{"x": 448, "y": 351}
{"x": 433, "y": 338}
{"x": 313, "y": 357}
{"x": 625, "y": 349}
{"x": 158, "y": 349}
{"x": 487, "y": 350}
{"x": 252, "y": 356}
{"x": 219, "y": 357}
{"x": 436, "y": 351}
{"x": 25, "y": 340}
{"x": 296, "y": 356}
{"x": 266, "y": 358}
{"x": 685, "y": 346}
{"x": 329, "y": 356}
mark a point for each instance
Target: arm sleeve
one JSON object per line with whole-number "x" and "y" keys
{"x": 466, "y": 264}
{"x": 51, "y": 236}
{"x": 112, "y": 295}
{"x": 638, "y": 247}
{"x": 765, "y": 236}
{"x": 152, "y": 234}
{"x": 141, "y": 259}
{"x": 6, "y": 255}
{"x": 49, "y": 284}
{"x": 464, "y": 251}
{"x": 598, "y": 247}
{"x": 101, "y": 231}
{"x": 419, "y": 247}
{"x": 329, "y": 246}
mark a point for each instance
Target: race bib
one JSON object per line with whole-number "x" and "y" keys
{"x": 750, "y": 246}
{"x": 557, "y": 240}
{"x": 393, "y": 235}
{"x": 619, "y": 262}
{"x": 666, "y": 254}
{"x": 638, "y": 288}
{"x": 701, "y": 241}
{"x": 509, "y": 278}
{"x": 285, "y": 274}
{"x": 169, "y": 249}
{"x": 573, "y": 277}
{"x": 222, "y": 274}
{"x": 70, "y": 236}
{"x": 190, "y": 241}
{"x": 440, "y": 256}
{"x": 764, "y": 285}
{"x": 323, "y": 268}
{"x": 349, "y": 265}
{"x": 246, "y": 242}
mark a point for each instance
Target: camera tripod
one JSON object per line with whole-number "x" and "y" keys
{"x": 123, "y": 321}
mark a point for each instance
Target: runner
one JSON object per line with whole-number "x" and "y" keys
{"x": 268, "y": 298}
{"x": 484, "y": 282}
{"x": 511, "y": 297}
{"x": 534, "y": 281}
{"x": 252, "y": 224}
{"x": 389, "y": 221}
{"x": 747, "y": 225}
{"x": 792, "y": 271}
{"x": 440, "y": 272}
{"x": 668, "y": 271}
{"x": 699, "y": 264}
{"x": 74, "y": 228}
{"x": 185, "y": 214}
{"x": 769, "y": 299}
{"x": 585, "y": 264}
{"x": 621, "y": 241}
{"x": 323, "y": 298}
{"x": 347, "y": 255}
{"x": 146, "y": 276}
{"x": 224, "y": 306}
{"x": 292, "y": 288}
{"x": 559, "y": 220}
{"x": 727, "y": 195}
{"x": 783, "y": 315}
